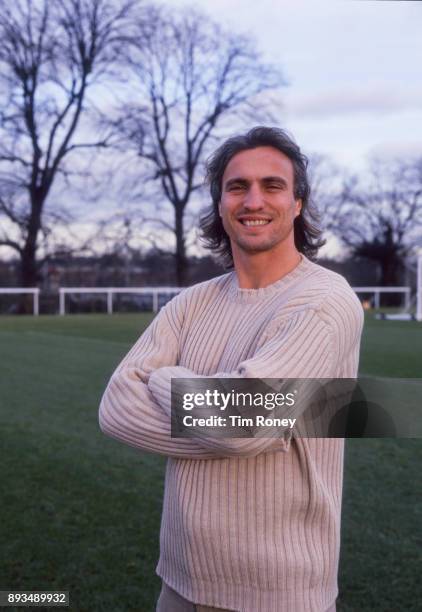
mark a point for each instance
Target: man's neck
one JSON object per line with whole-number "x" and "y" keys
{"x": 262, "y": 269}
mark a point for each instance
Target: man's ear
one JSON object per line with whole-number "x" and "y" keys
{"x": 298, "y": 207}
{"x": 219, "y": 209}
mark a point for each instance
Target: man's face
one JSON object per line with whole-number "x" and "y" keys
{"x": 257, "y": 205}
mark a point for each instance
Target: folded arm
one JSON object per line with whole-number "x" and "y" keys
{"x": 128, "y": 412}
{"x": 302, "y": 346}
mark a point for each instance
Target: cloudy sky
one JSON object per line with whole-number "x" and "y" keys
{"x": 354, "y": 70}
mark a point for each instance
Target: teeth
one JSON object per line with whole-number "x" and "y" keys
{"x": 255, "y": 222}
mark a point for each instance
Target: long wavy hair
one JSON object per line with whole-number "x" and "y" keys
{"x": 307, "y": 232}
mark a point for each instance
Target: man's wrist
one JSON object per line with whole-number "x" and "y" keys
{"x": 158, "y": 378}
{"x": 159, "y": 384}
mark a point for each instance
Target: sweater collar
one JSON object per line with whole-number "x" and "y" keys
{"x": 252, "y": 295}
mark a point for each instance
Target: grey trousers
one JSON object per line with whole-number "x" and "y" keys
{"x": 170, "y": 601}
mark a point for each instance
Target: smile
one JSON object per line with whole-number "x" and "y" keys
{"x": 254, "y": 222}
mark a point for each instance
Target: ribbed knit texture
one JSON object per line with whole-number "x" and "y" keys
{"x": 248, "y": 524}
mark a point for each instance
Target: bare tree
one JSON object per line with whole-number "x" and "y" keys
{"x": 51, "y": 54}
{"x": 380, "y": 217}
{"x": 189, "y": 76}
{"x": 327, "y": 181}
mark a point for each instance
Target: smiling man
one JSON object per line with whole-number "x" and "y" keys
{"x": 258, "y": 207}
{"x": 249, "y": 524}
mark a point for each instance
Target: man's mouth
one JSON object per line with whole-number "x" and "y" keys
{"x": 254, "y": 222}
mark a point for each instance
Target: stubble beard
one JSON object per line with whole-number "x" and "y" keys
{"x": 266, "y": 244}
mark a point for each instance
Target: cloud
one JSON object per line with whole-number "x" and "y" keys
{"x": 396, "y": 148}
{"x": 373, "y": 99}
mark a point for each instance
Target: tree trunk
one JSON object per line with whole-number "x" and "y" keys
{"x": 28, "y": 277}
{"x": 28, "y": 264}
{"x": 391, "y": 268}
{"x": 180, "y": 255}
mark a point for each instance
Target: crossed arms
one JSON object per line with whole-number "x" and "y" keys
{"x": 135, "y": 407}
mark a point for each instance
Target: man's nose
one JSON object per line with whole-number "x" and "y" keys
{"x": 254, "y": 199}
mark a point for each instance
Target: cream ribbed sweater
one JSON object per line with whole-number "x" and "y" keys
{"x": 248, "y": 524}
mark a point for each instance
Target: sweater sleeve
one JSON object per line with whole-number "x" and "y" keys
{"x": 129, "y": 413}
{"x": 301, "y": 346}
{"x": 317, "y": 341}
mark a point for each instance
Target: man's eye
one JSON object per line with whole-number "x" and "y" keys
{"x": 274, "y": 186}
{"x": 236, "y": 188}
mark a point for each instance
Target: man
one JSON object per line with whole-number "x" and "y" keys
{"x": 249, "y": 524}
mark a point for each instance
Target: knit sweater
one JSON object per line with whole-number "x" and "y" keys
{"x": 248, "y": 524}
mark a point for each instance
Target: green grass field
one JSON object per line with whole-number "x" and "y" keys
{"x": 81, "y": 512}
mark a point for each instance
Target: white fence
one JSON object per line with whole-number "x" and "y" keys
{"x": 419, "y": 288}
{"x": 155, "y": 292}
{"x": 378, "y": 290}
{"x": 21, "y": 291}
{"x": 110, "y": 291}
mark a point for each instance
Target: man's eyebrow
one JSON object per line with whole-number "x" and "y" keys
{"x": 274, "y": 179}
{"x": 236, "y": 181}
